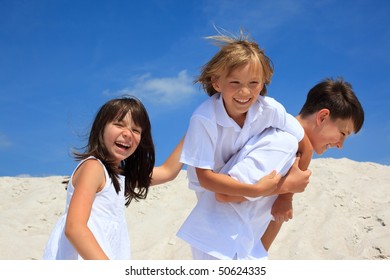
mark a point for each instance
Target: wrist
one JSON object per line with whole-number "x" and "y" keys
{"x": 251, "y": 190}
{"x": 286, "y": 196}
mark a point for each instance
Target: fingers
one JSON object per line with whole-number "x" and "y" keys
{"x": 274, "y": 175}
{"x": 282, "y": 218}
{"x": 296, "y": 162}
{"x": 279, "y": 219}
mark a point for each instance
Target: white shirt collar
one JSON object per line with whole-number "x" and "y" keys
{"x": 223, "y": 119}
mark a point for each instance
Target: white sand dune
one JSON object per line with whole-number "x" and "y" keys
{"x": 343, "y": 214}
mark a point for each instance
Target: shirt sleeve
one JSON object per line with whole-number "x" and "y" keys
{"x": 199, "y": 143}
{"x": 294, "y": 127}
{"x": 285, "y": 121}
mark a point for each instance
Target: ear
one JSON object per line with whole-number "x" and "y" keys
{"x": 215, "y": 83}
{"x": 322, "y": 115}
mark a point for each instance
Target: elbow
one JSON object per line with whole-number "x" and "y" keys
{"x": 71, "y": 231}
{"x": 203, "y": 177}
{"x": 173, "y": 175}
{"x": 162, "y": 174}
{"x": 171, "y": 172}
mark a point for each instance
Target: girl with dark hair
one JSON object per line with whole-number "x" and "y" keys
{"x": 115, "y": 168}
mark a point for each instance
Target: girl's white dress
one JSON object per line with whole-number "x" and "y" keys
{"x": 107, "y": 223}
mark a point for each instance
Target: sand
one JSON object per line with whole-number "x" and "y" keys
{"x": 344, "y": 214}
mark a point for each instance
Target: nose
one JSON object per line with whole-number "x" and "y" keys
{"x": 245, "y": 89}
{"x": 128, "y": 133}
{"x": 340, "y": 144}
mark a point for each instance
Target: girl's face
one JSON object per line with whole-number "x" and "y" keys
{"x": 331, "y": 133}
{"x": 121, "y": 138}
{"x": 240, "y": 90}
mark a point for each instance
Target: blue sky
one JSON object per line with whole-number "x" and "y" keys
{"x": 61, "y": 60}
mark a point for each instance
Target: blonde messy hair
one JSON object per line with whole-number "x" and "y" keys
{"x": 235, "y": 51}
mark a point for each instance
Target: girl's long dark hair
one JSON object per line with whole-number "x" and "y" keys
{"x": 137, "y": 168}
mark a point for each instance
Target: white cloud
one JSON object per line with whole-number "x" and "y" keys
{"x": 4, "y": 142}
{"x": 166, "y": 90}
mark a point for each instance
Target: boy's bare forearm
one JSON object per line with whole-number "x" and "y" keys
{"x": 224, "y": 184}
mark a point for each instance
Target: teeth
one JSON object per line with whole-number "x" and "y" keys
{"x": 123, "y": 144}
{"x": 242, "y": 100}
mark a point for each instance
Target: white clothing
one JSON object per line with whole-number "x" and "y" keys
{"x": 213, "y": 137}
{"x": 229, "y": 230}
{"x": 107, "y": 223}
{"x": 200, "y": 255}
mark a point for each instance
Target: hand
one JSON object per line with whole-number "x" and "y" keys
{"x": 282, "y": 208}
{"x": 268, "y": 184}
{"x": 297, "y": 180}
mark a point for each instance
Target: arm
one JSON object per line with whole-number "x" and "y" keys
{"x": 298, "y": 176}
{"x": 229, "y": 198}
{"x": 170, "y": 168}
{"x": 296, "y": 180}
{"x": 224, "y": 184}
{"x": 305, "y": 149}
{"x": 282, "y": 209}
{"x": 88, "y": 179}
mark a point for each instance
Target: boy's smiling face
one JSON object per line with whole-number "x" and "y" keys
{"x": 330, "y": 133}
{"x": 240, "y": 90}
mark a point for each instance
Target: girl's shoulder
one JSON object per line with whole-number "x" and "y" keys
{"x": 92, "y": 163}
{"x": 91, "y": 167}
{"x": 89, "y": 162}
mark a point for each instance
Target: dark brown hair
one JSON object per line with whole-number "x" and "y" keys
{"x": 337, "y": 96}
{"x": 137, "y": 168}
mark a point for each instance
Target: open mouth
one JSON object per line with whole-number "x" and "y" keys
{"x": 122, "y": 145}
{"x": 242, "y": 100}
